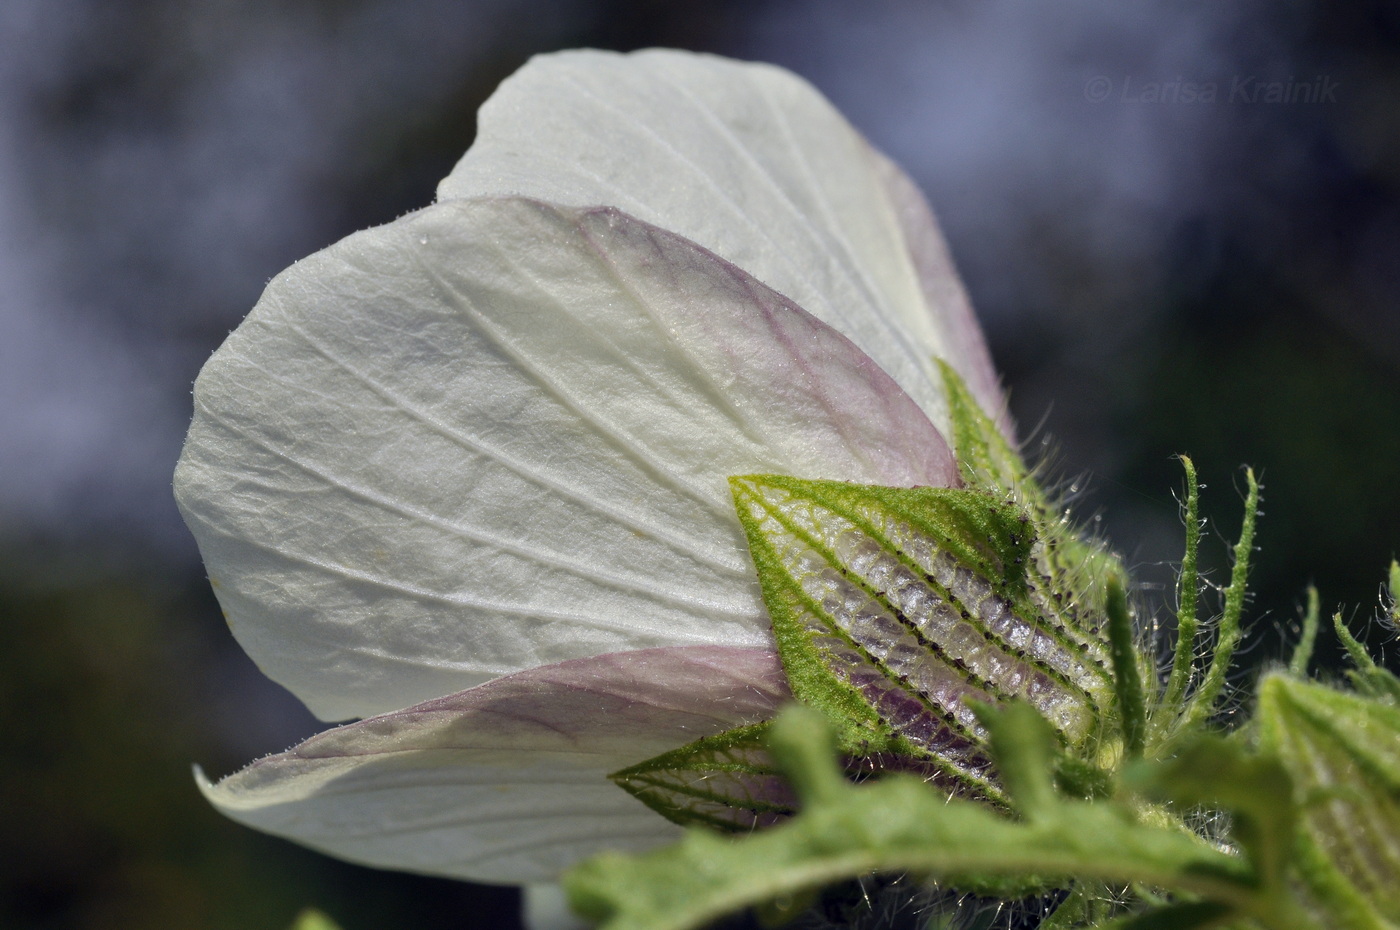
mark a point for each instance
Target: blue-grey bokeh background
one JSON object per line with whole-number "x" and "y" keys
{"x": 1160, "y": 267}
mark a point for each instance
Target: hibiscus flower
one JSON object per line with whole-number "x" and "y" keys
{"x": 465, "y": 475}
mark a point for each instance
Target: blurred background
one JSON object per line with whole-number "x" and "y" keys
{"x": 1167, "y": 257}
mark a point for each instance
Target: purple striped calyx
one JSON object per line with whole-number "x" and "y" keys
{"x": 896, "y": 610}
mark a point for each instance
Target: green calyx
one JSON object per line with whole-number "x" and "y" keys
{"x": 893, "y": 607}
{"x": 980, "y": 658}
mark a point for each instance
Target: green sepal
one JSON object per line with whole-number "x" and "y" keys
{"x": 725, "y": 781}
{"x": 1068, "y": 570}
{"x": 728, "y": 781}
{"x": 892, "y": 605}
{"x": 1343, "y": 752}
{"x": 986, "y": 460}
{"x": 984, "y": 532}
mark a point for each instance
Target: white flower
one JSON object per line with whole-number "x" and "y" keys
{"x": 492, "y": 439}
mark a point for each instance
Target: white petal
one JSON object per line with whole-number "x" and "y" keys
{"x": 959, "y": 335}
{"x": 754, "y": 164}
{"x": 496, "y": 434}
{"x": 506, "y": 782}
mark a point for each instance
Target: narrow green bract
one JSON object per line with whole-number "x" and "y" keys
{"x": 1187, "y": 581}
{"x": 1126, "y": 672}
{"x": 1367, "y": 677}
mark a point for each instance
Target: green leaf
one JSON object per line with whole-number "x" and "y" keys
{"x": 1024, "y": 745}
{"x": 726, "y": 781}
{"x": 1343, "y": 753}
{"x": 899, "y": 824}
{"x": 892, "y": 606}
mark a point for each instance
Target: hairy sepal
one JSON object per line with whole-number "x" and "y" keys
{"x": 893, "y": 607}
{"x": 986, "y": 458}
{"x": 726, "y": 781}
{"x": 1068, "y": 571}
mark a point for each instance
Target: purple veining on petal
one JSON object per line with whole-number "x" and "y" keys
{"x": 507, "y": 781}
{"x": 789, "y": 352}
{"x": 653, "y": 698}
